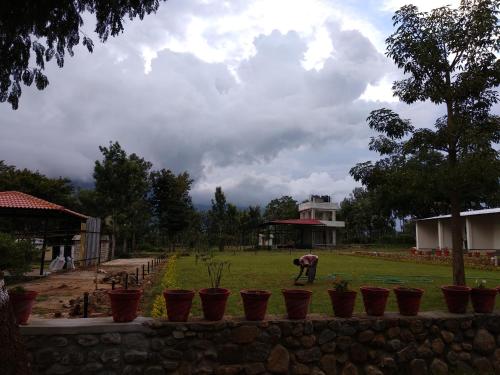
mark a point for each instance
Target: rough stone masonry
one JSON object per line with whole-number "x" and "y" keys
{"x": 432, "y": 343}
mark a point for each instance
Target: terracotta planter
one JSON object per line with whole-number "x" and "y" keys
{"x": 469, "y": 254}
{"x": 483, "y": 299}
{"x": 255, "y": 303}
{"x": 124, "y": 304}
{"x": 213, "y": 302}
{"x": 439, "y": 253}
{"x": 456, "y": 298}
{"x": 22, "y": 304}
{"x": 178, "y": 303}
{"x": 408, "y": 300}
{"x": 374, "y": 299}
{"x": 446, "y": 253}
{"x": 297, "y": 302}
{"x": 413, "y": 251}
{"x": 477, "y": 254}
{"x": 342, "y": 302}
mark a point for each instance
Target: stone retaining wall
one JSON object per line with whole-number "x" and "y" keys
{"x": 432, "y": 343}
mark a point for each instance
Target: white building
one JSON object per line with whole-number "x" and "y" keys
{"x": 480, "y": 230}
{"x": 322, "y": 209}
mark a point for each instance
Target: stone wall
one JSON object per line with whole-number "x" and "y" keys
{"x": 432, "y": 343}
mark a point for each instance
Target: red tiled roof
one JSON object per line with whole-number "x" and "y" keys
{"x": 16, "y": 199}
{"x": 297, "y": 222}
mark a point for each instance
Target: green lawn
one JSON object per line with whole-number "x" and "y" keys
{"x": 275, "y": 271}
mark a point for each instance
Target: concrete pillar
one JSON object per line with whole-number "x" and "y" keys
{"x": 440, "y": 234}
{"x": 416, "y": 234}
{"x": 468, "y": 232}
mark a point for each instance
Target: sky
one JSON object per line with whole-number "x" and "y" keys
{"x": 262, "y": 97}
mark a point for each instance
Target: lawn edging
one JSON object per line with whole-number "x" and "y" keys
{"x": 432, "y": 342}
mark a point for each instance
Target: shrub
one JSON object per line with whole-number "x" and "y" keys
{"x": 16, "y": 255}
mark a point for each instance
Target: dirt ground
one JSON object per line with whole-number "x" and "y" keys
{"x": 60, "y": 295}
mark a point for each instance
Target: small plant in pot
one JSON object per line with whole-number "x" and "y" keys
{"x": 22, "y": 302}
{"x": 456, "y": 298}
{"x": 124, "y": 304}
{"x": 408, "y": 300}
{"x": 374, "y": 299}
{"x": 214, "y": 299}
{"x": 483, "y": 298}
{"x": 342, "y": 298}
{"x": 255, "y": 303}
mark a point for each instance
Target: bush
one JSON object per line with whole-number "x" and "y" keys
{"x": 16, "y": 255}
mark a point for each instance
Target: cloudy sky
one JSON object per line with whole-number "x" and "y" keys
{"x": 261, "y": 97}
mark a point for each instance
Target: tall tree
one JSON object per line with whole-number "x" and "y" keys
{"x": 284, "y": 207}
{"x": 218, "y": 218}
{"x": 171, "y": 202}
{"x": 35, "y": 32}
{"x": 122, "y": 184}
{"x": 449, "y": 57}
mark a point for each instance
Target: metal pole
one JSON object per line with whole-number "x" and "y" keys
{"x": 113, "y": 285}
{"x": 143, "y": 271}
{"x": 148, "y": 267}
{"x": 44, "y": 247}
{"x": 137, "y": 276}
{"x": 86, "y": 304}
{"x": 126, "y": 281}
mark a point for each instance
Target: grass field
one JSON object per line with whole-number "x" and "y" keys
{"x": 275, "y": 271}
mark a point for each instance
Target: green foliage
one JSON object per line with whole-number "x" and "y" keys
{"x": 122, "y": 185}
{"x": 35, "y": 32}
{"x": 171, "y": 202}
{"x": 218, "y": 218}
{"x": 341, "y": 285}
{"x": 16, "y": 255}
{"x": 284, "y": 207}
{"x": 366, "y": 220}
{"x": 57, "y": 190}
{"x": 449, "y": 56}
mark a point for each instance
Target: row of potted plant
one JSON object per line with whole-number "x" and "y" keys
{"x": 125, "y": 302}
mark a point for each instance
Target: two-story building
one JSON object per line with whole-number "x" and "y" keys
{"x": 316, "y": 226}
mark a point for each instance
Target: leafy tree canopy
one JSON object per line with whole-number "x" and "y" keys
{"x": 449, "y": 57}
{"x": 32, "y": 33}
{"x": 284, "y": 207}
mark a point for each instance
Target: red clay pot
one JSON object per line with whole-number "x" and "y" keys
{"x": 374, "y": 300}
{"x": 213, "y": 302}
{"x": 446, "y": 253}
{"x": 483, "y": 299}
{"x": 456, "y": 297}
{"x": 469, "y": 254}
{"x": 255, "y": 303}
{"x": 178, "y": 303}
{"x": 297, "y": 302}
{"x": 22, "y": 303}
{"x": 342, "y": 302}
{"x": 408, "y": 300}
{"x": 477, "y": 254}
{"x": 124, "y": 304}
{"x": 439, "y": 253}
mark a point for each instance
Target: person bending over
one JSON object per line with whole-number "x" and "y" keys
{"x": 309, "y": 262}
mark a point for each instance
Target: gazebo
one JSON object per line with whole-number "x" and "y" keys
{"x": 29, "y": 216}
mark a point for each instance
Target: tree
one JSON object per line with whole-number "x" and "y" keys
{"x": 171, "y": 202}
{"x": 449, "y": 57}
{"x": 122, "y": 185}
{"x": 57, "y": 190}
{"x": 366, "y": 220}
{"x": 281, "y": 208}
{"x": 218, "y": 218}
{"x": 35, "y": 32}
